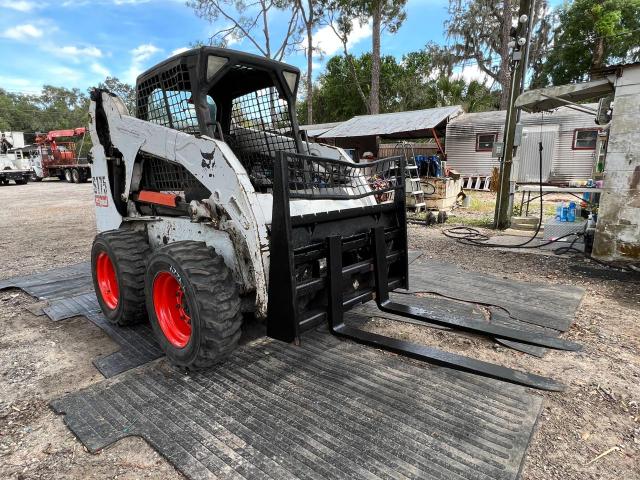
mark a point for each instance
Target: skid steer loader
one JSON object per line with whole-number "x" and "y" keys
{"x": 209, "y": 205}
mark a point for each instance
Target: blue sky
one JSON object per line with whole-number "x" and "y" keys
{"x": 77, "y": 43}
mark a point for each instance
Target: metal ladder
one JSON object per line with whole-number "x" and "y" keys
{"x": 413, "y": 188}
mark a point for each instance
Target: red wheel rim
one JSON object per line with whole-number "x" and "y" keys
{"x": 169, "y": 303}
{"x": 107, "y": 280}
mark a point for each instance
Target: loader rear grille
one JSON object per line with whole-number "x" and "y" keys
{"x": 317, "y": 178}
{"x": 164, "y": 176}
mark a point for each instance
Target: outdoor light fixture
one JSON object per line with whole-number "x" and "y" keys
{"x": 214, "y": 64}
{"x": 291, "y": 79}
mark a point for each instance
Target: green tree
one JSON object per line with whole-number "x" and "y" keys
{"x": 587, "y": 35}
{"x": 126, "y": 92}
{"x": 384, "y": 15}
{"x": 404, "y": 85}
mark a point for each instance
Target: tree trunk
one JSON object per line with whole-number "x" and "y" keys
{"x": 374, "y": 98}
{"x": 309, "y": 74}
{"x": 597, "y": 59}
{"x": 503, "y": 74}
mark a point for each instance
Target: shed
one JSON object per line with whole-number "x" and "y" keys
{"x": 568, "y": 137}
{"x": 313, "y": 131}
{"x": 363, "y": 132}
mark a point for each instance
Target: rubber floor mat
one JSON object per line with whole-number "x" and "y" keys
{"x": 69, "y": 293}
{"x": 56, "y": 283}
{"x": 67, "y": 307}
{"x": 325, "y": 409}
{"x": 549, "y": 306}
{"x": 137, "y": 346}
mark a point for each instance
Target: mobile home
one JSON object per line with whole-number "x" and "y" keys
{"x": 568, "y": 137}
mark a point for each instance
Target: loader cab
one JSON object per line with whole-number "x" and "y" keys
{"x": 245, "y": 100}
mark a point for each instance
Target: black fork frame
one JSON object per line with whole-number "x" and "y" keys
{"x": 365, "y": 250}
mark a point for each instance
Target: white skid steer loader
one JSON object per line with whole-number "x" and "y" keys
{"x": 209, "y": 205}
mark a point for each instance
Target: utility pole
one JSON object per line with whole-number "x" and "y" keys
{"x": 520, "y": 54}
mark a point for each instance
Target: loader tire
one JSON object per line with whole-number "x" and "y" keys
{"x": 75, "y": 176}
{"x": 118, "y": 260}
{"x": 67, "y": 176}
{"x": 193, "y": 304}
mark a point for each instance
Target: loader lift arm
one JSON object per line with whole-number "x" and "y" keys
{"x": 365, "y": 253}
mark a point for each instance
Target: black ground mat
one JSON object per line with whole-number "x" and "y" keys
{"x": 56, "y": 283}
{"x": 137, "y": 346}
{"x": 325, "y": 409}
{"x": 69, "y": 293}
{"x": 549, "y": 306}
{"x": 67, "y": 307}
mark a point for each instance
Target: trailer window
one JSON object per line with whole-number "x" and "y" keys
{"x": 585, "y": 139}
{"x": 485, "y": 141}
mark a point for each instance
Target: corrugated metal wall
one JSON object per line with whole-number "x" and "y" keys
{"x": 567, "y": 164}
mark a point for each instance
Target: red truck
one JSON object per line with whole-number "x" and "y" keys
{"x": 56, "y": 156}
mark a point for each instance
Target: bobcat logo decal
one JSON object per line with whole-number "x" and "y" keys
{"x": 207, "y": 159}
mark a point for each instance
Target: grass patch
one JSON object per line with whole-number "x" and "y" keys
{"x": 481, "y": 222}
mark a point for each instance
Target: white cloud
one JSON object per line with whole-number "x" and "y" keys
{"x": 143, "y": 52}
{"x": 138, "y": 56}
{"x": 20, "y": 84}
{"x": 100, "y": 69}
{"x": 69, "y": 74}
{"x": 23, "y": 32}
{"x": 471, "y": 72}
{"x": 178, "y": 50}
{"x": 20, "y": 6}
{"x": 73, "y": 51}
{"x": 328, "y": 42}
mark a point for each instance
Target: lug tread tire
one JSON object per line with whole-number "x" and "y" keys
{"x": 131, "y": 250}
{"x": 216, "y": 299}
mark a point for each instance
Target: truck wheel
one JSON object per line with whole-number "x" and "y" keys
{"x": 67, "y": 175}
{"x": 75, "y": 176}
{"x": 61, "y": 177}
{"x": 21, "y": 181}
{"x": 117, "y": 265}
{"x": 4, "y": 181}
{"x": 193, "y": 303}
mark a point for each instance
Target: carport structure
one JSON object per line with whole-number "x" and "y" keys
{"x": 365, "y": 132}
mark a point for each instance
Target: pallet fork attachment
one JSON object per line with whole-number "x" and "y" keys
{"x": 323, "y": 264}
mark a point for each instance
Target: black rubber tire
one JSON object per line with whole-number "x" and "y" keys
{"x": 128, "y": 251}
{"x": 212, "y": 298}
{"x": 61, "y": 177}
{"x": 67, "y": 176}
{"x": 22, "y": 181}
{"x": 75, "y": 176}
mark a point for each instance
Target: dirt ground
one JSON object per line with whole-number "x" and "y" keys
{"x": 591, "y": 431}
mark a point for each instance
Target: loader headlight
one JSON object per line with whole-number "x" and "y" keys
{"x": 291, "y": 79}
{"x": 214, "y": 64}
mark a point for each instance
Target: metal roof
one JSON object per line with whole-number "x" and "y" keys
{"x": 554, "y": 97}
{"x": 412, "y": 124}
{"x": 318, "y": 129}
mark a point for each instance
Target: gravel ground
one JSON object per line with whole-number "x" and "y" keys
{"x": 591, "y": 431}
